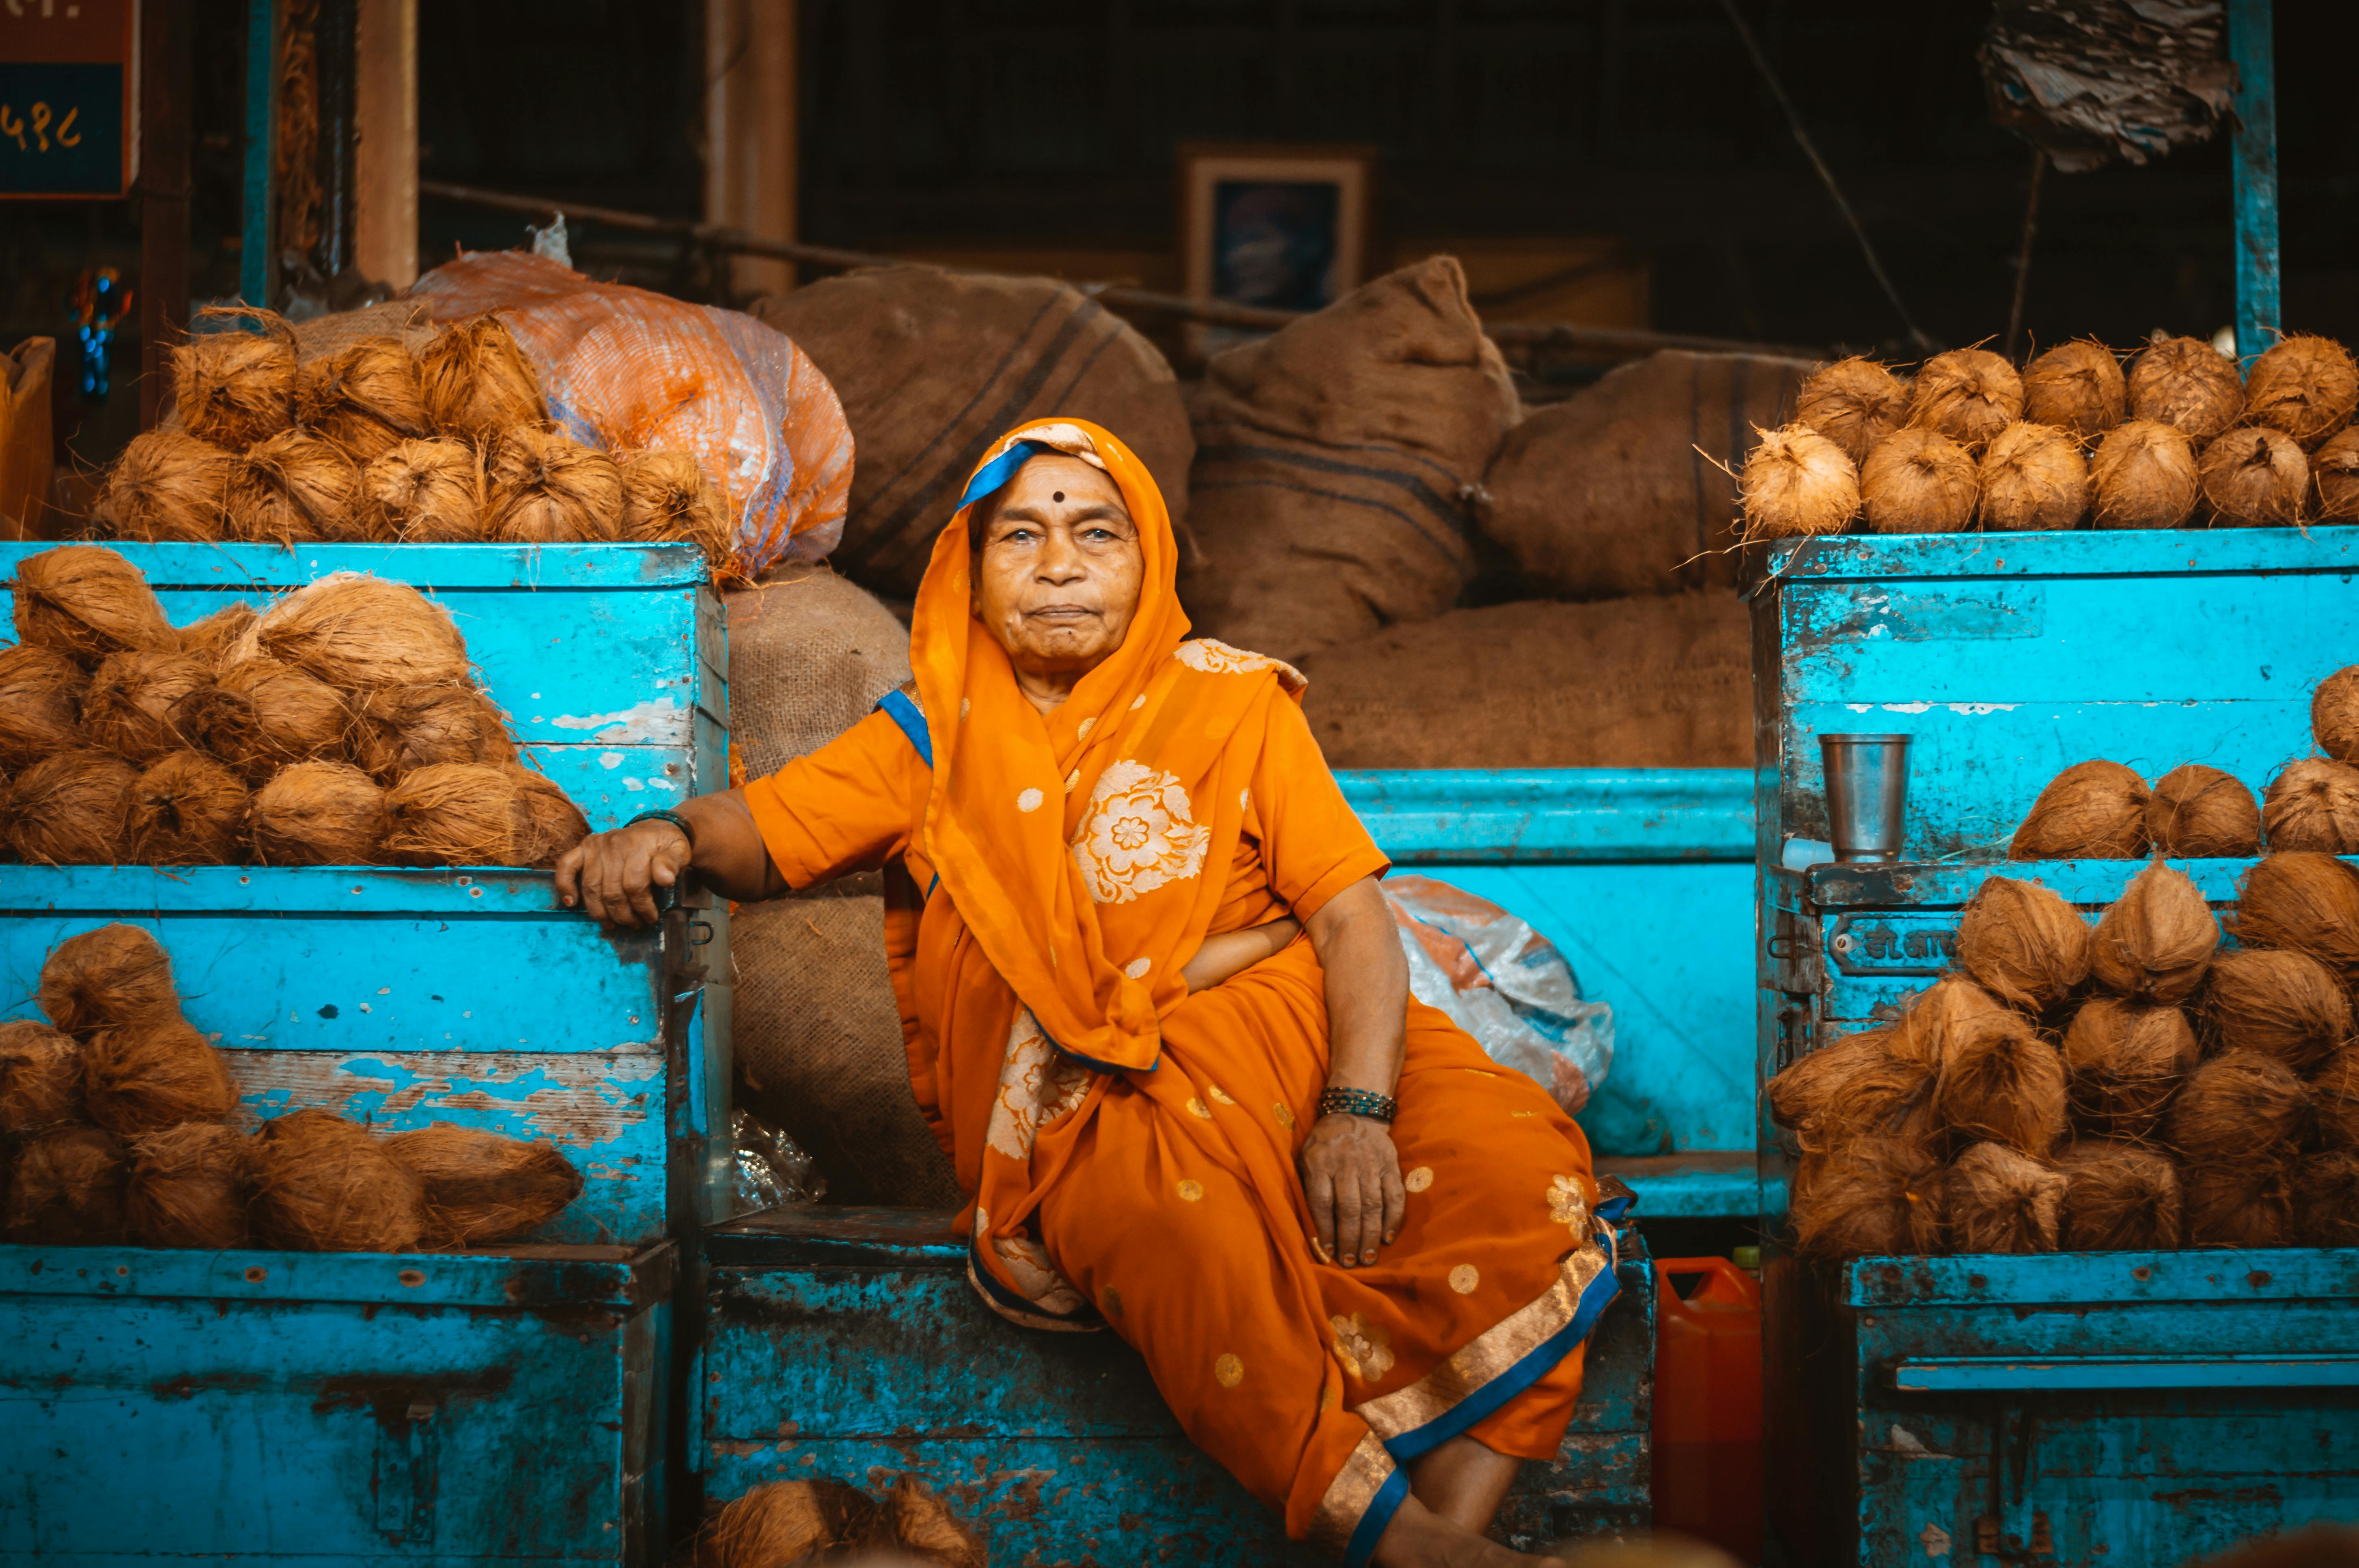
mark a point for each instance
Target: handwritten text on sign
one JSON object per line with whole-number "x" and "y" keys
{"x": 67, "y": 89}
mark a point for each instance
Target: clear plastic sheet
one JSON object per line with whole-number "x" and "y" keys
{"x": 1504, "y": 984}
{"x": 2090, "y": 81}
{"x": 768, "y": 1169}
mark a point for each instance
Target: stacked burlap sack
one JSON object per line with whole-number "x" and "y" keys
{"x": 117, "y": 1123}
{"x": 2125, "y": 1088}
{"x": 2184, "y": 438}
{"x": 341, "y": 725}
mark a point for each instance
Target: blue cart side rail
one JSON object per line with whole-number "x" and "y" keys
{"x": 1642, "y": 879}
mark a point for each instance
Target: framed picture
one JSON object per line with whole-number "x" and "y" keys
{"x": 1285, "y": 227}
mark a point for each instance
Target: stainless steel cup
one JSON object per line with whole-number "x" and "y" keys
{"x": 1867, "y": 794}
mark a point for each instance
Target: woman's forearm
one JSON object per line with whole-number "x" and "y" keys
{"x": 1367, "y": 988}
{"x": 729, "y": 854}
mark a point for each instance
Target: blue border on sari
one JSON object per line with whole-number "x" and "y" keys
{"x": 897, "y": 706}
{"x": 1088, "y": 1317}
{"x": 1000, "y": 469}
{"x": 1381, "y": 1509}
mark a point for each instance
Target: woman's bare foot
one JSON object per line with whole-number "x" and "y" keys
{"x": 1419, "y": 1537}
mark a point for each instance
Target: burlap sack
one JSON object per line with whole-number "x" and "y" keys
{"x": 1653, "y": 682}
{"x": 810, "y": 653}
{"x": 932, "y": 366}
{"x": 1608, "y": 493}
{"x": 1332, "y": 460}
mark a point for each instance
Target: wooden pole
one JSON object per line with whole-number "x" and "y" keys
{"x": 257, "y": 266}
{"x": 751, "y": 150}
{"x": 385, "y": 173}
{"x": 167, "y": 54}
{"x": 2252, "y": 46}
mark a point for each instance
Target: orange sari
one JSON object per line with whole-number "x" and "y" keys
{"x": 1131, "y": 1149}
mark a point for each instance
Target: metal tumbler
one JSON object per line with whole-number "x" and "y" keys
{"x": 1867, "y": 794}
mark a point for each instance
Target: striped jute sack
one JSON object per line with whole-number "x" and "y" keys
{"x": 1629, "y": 486}
{"x": 932, "y": 366}
{"x": 1333, "y": 463}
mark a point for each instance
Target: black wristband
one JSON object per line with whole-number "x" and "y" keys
{"x": 1358, "y": 1102}
{"x": 674, "y": 817}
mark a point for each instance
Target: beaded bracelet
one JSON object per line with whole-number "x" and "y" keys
{"x": 1358, "y": 1102}
{"x": 674, "y": 817}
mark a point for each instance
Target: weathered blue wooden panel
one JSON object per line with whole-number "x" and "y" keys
{"x": 1556, "y": 815}
{"x": 305, "y": 1410}
{"x": 849, "y": 1343}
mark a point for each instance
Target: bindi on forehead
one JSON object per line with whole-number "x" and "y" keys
{"x": 1058, "y": 496}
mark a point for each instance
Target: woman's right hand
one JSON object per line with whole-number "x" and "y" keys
{"x": 614, "y": 876}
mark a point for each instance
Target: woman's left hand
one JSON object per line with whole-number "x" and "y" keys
{"x": 1351, "y": 1174}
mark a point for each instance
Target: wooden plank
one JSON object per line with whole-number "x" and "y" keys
{"x": 2251, "y": 48}
{"x": 2111, "y": 552}
{"x": 167, "y": 72}
{"x": 1584, "y": 814}
{"x": 542, "y": 568}
{"x": 2278, "y": 1274}
{"x": 505, "y": 1276}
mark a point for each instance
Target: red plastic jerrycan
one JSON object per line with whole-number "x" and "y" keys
{"x": 1708, "y": 1404}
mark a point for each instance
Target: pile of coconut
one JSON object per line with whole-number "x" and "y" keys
{"x": 451, "y": 446}
{"x": 826, "y": 1520}
{"x": 119, "y": 1122}
{"x": 338, "y": 726}
{"x": 2129, "y": 1087}
{"x": 2180, "y": 439}
{"x": 2103, "y": 810}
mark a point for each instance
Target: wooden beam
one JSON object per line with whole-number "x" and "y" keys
{"x": 751, "y": 148}
{"x": 385, "y": 172}
{"x": 257, "y": 263}
{"x": 167, "y": 54}
{"x": 2252, "y": 45}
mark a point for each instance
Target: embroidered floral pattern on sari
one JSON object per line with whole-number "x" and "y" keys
{"x": 1210, "y": 656}
{"x": 1036, "y": 1086}
{"x": 1363, "y": 1347}
{"x": 1140, "y": 835}
{"x": 1569, "y": 1205}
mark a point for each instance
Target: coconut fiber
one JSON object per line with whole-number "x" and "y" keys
{"x": 669, "y": 500}
{"x": 40, "y": 705}
{"x": 2199, "y": 811}
{"x": 427, "y": 491}
{"x": 293, "y": 489}
{"x": 1997, "y": 1199}
{"x": 2334, "y": 1098}
{"x": 2033, "y": 476}
{"x": 2313, "y": 804}
{"x": 789, "y": 1523}
{"x": 922, "y": 1525}
{"x": 187, "y": 809}
{"x": 2280, "y": 1005}
{"x": 476, "y": 382}
{"x": 187, "y": 1187}
{"x": 2333, "y": 714}
{"x": 322, "y": 1185}
{"x": 1797, "y": 482}
{"x": 549, "y": 822}
{"x": 153, "y": 1074}
{"x": 1849, "y": 1087}
{"x": 2022, "y": 944}
{"x": 169, "y": 485}
{"x": 319, "y": 814}
{"x": 2124, "y": 1060}
{"x": 359, "y": 632}
{"x": 1874, "y": 1196}
{"x": 87, "y": 601}
{"x": 138, "y": 705}
{"x": 1854, "y": 403}
{"x": 2154, "y": 942}
{"x": 40, "y": 1077}
{"x": 363, "y": 397}
{"x": 2144, "y": 476}
{"x": 2236, "y": 1107}
{"x": 68, "y": 1189}
{"x": 1968, "y": 395}
{"x": 1947, "y": 1016}
{"x": 480, "y": 1187}
{"x": 2326, "y": 1200}
{"x": 547, "y": 488}
{"x": 453, "y": 814}
{"x": 2253, "y": 477}
{"x": 2241, "y": 1202}
{"x": 1631, "y": 486}
{"x": 2187, "y": 382}
{"x": 262, "y": 715}
{"x": 397, "y": 729}
{"x": 233, "y": 387}
{"x": 2000, "y": 1082}
{"x": 106, "y": 976}
{"x": 1918, "y": 480}
{"x": 2306, "y": 902}
{"x": 2334, "y": 472}
{"x": 212, "y": 638}
{"x": 2078, "y": 387}
{"x": 2093, "y": 810}
{"x": 72, "y": 809}
{"x": 2119, "y": 1197}
{"x": 2305, "y": 385}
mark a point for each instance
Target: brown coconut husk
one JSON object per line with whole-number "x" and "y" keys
{"x": 319, "y": 814}
{"x": 2306, "y": 903}
{"x": 2199, "y": 811}
{"x": 2253, "y": 477}
{"x": 2033, "y": 476}
{"x": 1850, "y": 1087}
{"x": 107, "y": 976}
{"x": 1873, "y": 1197}
{"x": 667, "y": 499}
{"x": 138, "y": 704}
{"x": 2333, "y": 714}
{"x": 2022, "y": 944}
{"x": 2244, "y": 1202}
{"x": 455, "y": 813}
{"x": 1854, "y": 403}
{"x": 2124, "y": 1061}
{"x": 2093, "y": 810}
{"x": 72, "y": 809}
{"x": 2155, "y": 941}
{"x": 2326, "y": 1200}
{"x": 817, "y": 1521}
{"x": 2119, "y": 1197}
{"x": 1947, "y": 1015}
{"x": 547, "y": 488}
{"x": 186, "y": 1186}
{"x": 2286, "y": 1005}
{"x": 2001, "y": 1083}
{"x": 87, "y": 601}
{"x": 321, "y": 1183}
{"x": 2144, "y": 476}
{"x": 2078, "y": 387}
{"x": 40, "y": 1075}
{"x": 428, "y": 492}
{"x": 1968, "y": 395}
{"x": 68, "y": 1189}
{"x": 262, "y": 716}
{"x": 294, "y": 488}
{"x": 399, "y": 728}
{"x": 2235, "y": 1106}
{"x": 2303, "y": 384}
{"x": 233, "y": 387}
{"x": 2334, "y": 475}
{"x": 2334, "y": 1098}
{"x": 2313, "y": 804}
{"x": 1797, "y": 483}
{"x": 138, "y": 1078}
{"x": 359, "y": 632}
{"x": 212, "y": 638}
{"x": 922, "y": 1525}
{"x": 480, "y": 1187}
{"x": 41, "y": 704}
{"x": 551, "y": 823}
{"x": 169, "y": 485}
{"x": 1918, "y": 480}
{"x": 188, "y": 809}
{"x": 1996, "y": 1199}
{"x": 477, "y": 383}
{"x": 2187, "y": 382}
{"x": 364, "y": 397}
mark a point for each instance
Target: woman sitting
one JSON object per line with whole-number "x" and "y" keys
{"x": 1158, "y": 1014}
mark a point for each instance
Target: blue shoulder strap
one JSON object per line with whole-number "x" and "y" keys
{"x": 912, "y": 721}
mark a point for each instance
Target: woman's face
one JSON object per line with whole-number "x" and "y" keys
{"x": 1058, "y": 578}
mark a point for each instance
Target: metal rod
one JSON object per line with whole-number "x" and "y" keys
{"x": 2252, "y": 46}
{"x": 1615, "y": 342}
{"x": 1826, "y": 176}
{"x": 2023, "y": 255}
